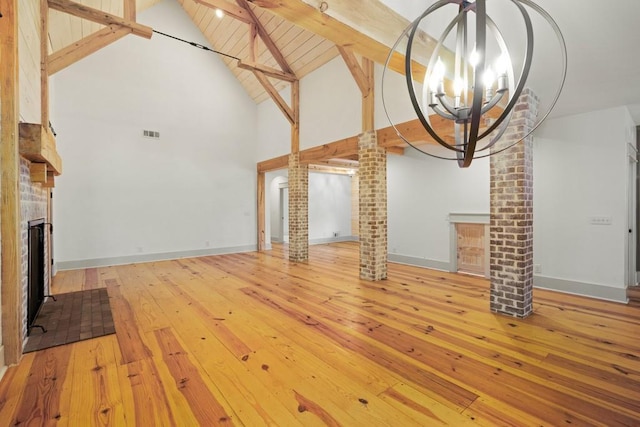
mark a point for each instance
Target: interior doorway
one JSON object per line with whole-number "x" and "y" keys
{"x": 284, "y": 211}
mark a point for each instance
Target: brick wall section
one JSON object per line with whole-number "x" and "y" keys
{"x": 511, "y": 229}
{"x": 33, "y": 205}
{"x": 373, "y": 208}
{"x": 298, "y": 209}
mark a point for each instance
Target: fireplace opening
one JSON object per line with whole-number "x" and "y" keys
{"x": 36, "y": 272}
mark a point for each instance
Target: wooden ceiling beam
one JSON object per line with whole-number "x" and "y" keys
{"x": 230, "y": 9}
{"x": 281, "y": 162}
{"x": 412, "y": 130}
{"x": 395, "y": 150}
{"x": 129, "y": 9}
{"x": 344, "y": 163}
{"x": 356, "y": 70}
{"x": 342, "y": 148}
{"x": 336, "y": 170}
{"x": 368, "y": 27}
{"x": 273, "y": 92}
{"x": 253, "y": 43}
{"x": 266, "y": 38}
{"x": 82, "y": 48}
{"x": 100, "y": 17}
{"x": 268, "y": 71}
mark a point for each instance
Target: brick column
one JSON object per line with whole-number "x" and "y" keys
{"x": 373, "y": 208}
{"x": 511, "y": 230}
{"x": 298, "y": 209}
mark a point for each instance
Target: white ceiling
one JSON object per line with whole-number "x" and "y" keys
{"x": 603, "y": 45}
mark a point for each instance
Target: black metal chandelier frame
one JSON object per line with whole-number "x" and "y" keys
{"x": 467, "y": 119}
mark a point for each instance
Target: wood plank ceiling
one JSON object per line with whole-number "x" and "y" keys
{"x": 303, "y": 50}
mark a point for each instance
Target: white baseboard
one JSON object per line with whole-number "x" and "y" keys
{"x": 325, "y": 240}
{"x": 590, "y": 290}
{"x": 419, "y": 262}
{"x": 136, "y": 259}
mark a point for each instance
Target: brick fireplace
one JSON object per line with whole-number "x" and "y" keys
{"x": 34, "y": 206}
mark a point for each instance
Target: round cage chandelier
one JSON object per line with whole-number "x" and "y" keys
{"x": 476, "y": 98}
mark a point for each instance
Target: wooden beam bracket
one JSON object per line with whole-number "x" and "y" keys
{"x": 38, "y": 172}
{"x": 38, "y": 144}
{"x": 273, "y": 92}
{"x": 266, "y": 38}
{"x": 266, "y": 70}
{"x": 82, "y": 48}
{"x": 356, "y": 70}
{"x": 100, "y": 17}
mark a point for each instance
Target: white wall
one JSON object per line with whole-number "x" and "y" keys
{"x": 273, "y": 130}
{"x": 124, "y": 197}
{"x": 330, "y": 105}
{"x": 330, "y": 109}
{"x": 329, "y": 206}
{"x": 422, "y": 192}
{"x": 580, "y": 171}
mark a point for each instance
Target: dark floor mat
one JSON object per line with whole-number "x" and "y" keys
{"x": 75, "y": 316}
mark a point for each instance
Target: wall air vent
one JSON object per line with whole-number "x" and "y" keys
{"x": 151, "y": 134}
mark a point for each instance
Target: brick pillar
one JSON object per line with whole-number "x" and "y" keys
{"x": 511, "y": 230}
{"x": 298, "y": 209}
{"x": 373, "y": 208}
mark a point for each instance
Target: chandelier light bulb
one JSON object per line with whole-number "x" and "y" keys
{"x": 502, "y": 64}
{"x": 458, "y": 87}
{"x": 439, "y": 70}
{"x": 474, "y": 58}
{"x": 488, "y": 78}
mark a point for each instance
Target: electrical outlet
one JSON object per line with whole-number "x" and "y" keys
{"x": 600, "y": 220}
{"x": 335, "y": 234}
{"x": 537, "y": 268}
{"x": 207, "y": 243}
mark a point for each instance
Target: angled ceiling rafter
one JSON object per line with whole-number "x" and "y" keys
{"x": 352, "y": 23}
{"x": 99, "y": 17}
{"x": 259, "y": 65}
{"x": 115, "y": 28}
{"x": 266, "y": 38}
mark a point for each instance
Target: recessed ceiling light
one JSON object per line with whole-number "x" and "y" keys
{"x": 219, "y": 13}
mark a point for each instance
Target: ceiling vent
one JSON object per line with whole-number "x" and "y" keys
{"x": 151, "y": 134}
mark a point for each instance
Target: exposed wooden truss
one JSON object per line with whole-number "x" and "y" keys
{"x": 116, "y": 28}
{"x": 100, "y": 17}
{"x": 267, "y": 71}
{"x": 81, "y": 49}
{"x": 356, "y": 69}
{"x": 368, "y": 27}
{"x": 348, "y": 147}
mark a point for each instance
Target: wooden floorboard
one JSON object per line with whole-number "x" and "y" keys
{"x": 252, "y": 339}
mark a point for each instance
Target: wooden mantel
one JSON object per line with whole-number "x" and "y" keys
{"x": 38, "y": 145}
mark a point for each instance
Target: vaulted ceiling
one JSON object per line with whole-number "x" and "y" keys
{"x": 303, "y": 50}
{"x": 345, "y": 22}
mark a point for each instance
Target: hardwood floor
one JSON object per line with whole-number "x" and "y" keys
{"x": 251, "y": 339}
